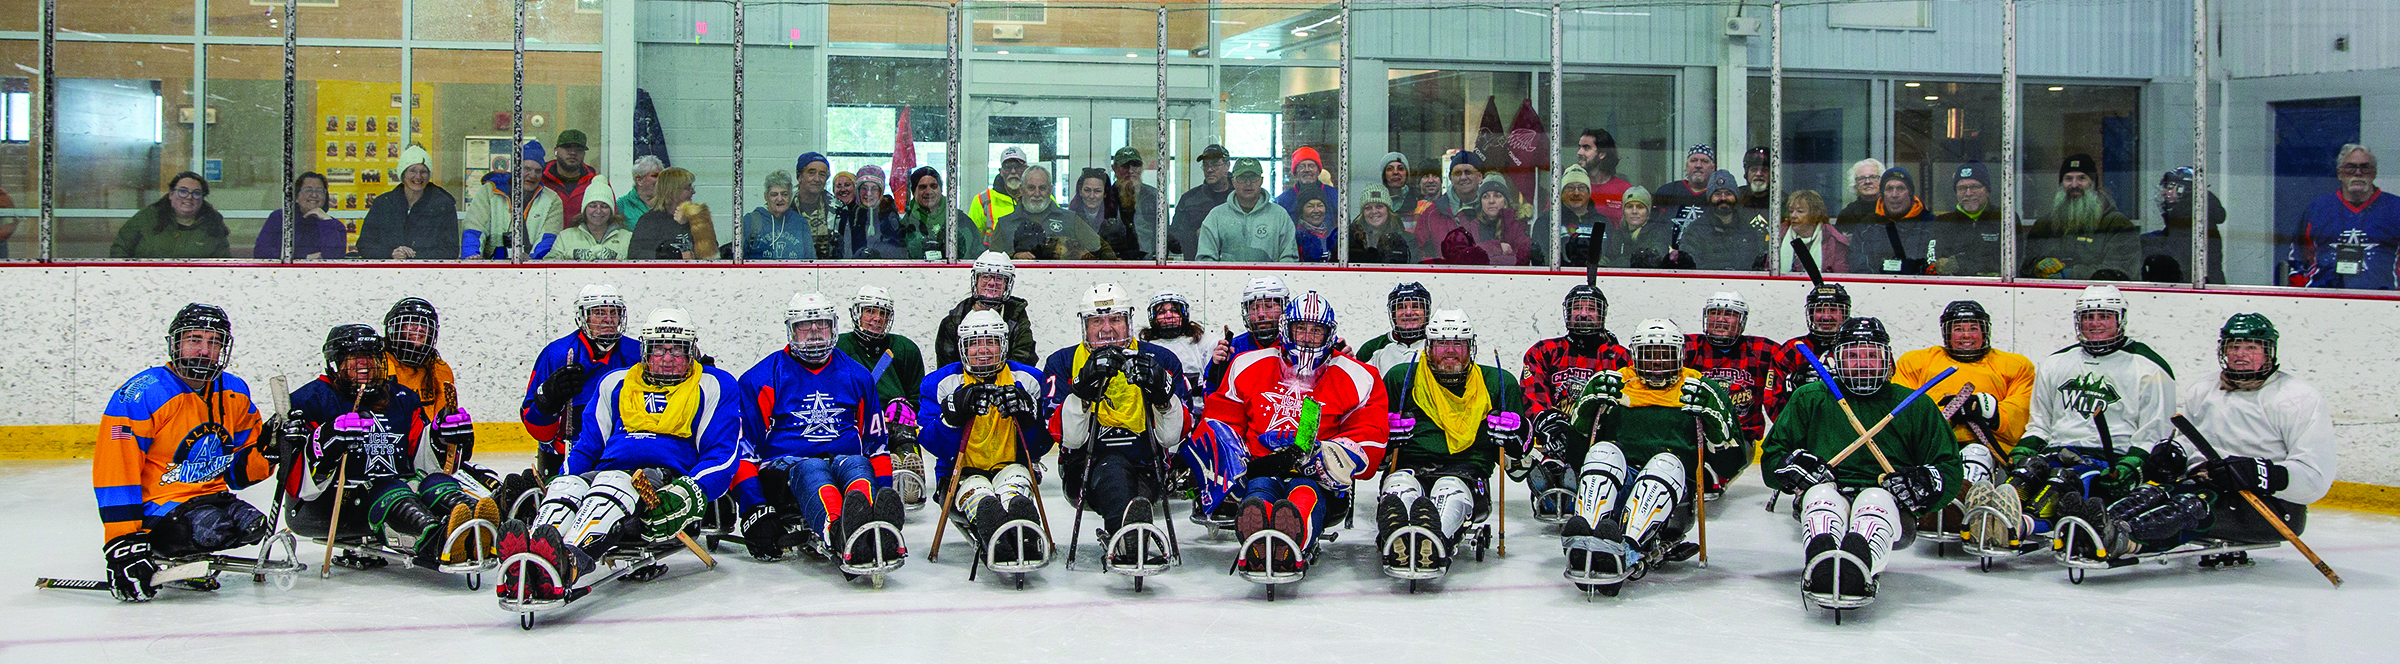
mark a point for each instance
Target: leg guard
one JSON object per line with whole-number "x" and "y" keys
{"x": 1218, "y": 460}
{"x": 1655, "y": 496}
{"x": 213, "y": 522}
{"x": 1603, "y": 479}
{"x": 1976, "y": 462}
{"x": 813, "y": 488}
{"x": 1108, "y": 488}
{"x": 609, "y": 502}
{"x": 1013, "y": 481}
{"x": 560, "y": 500}
{"x": 1875, "y": 517}
{"x": 1454, "y": 500}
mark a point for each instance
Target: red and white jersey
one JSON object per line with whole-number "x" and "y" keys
{"x": 1260, "y": 395}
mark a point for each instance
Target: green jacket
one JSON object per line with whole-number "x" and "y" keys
{"x": 1812, "y": 420}
{"x": 633, "y": 207}
{"x": 1427, "y": 446}
{"x": 139, "y": 238}
{"x": 1642, "y": 432}
{"x": 899, "y": 381}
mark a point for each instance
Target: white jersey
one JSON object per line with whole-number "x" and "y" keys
{"x": 1193, "y": 353}
{"x": 2132, "y": 388}
{"x": 1385, "y": 352}
{"x": 2284, "y": 421}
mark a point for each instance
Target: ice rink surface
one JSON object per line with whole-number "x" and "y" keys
{"x": 1745, "y": 605}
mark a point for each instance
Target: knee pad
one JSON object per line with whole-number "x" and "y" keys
{"x": 1655, "y": 496}
{"x": 560, "y": 499}
{"x": 1976, "y": 462}
{"x": 1455, "y": 500}
{"x": 608, "y": 502}
{"x": 1824, "y": 511}
{"x": 1603, "y": 478}
{"x": 1013, "y": 480}
{"x": 972, "y": 487}
{"x": 1404, "y": 485}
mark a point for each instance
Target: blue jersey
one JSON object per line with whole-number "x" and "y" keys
{"x": 571, "y": 348}
{"x": 2339, "y": 246}
{"x": 986, "y": 449}
{"x": 393, "y": 445}
{"x": 792, "y": 410}
{"x": 1059, "y": 373}
{"x": 707, "y": 455}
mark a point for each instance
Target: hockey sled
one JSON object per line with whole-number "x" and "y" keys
{"x": 2077, "y": 544}
{"x": 276, "y": 564}
{"x": 1138, "y": 537}
{"x": 717, "y": 528}
{"x": 1561, "y": 502}
{"x": 372, "y": 551}
{"x": 640, "y": 563}
{"x": 1474, "y": 535}
{"x": 1011, "y": 535}
{"x": 1845, "y": 564}
{"x": 908, "y": 477}
{"x": 1263, "y": 571}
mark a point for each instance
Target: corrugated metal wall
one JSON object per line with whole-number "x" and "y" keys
{"x": 2287, "y": 37}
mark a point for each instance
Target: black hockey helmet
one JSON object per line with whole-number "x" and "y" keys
{"x": 1827, "y": 296}
{"x": 407, "y": 312}
{"x": 1966, "y": 311}
{"x": 200, "y": 317}
{"x": 1592, "y": 294}
{"x": 1862, "y": 356}
{"x": 1829, "y": 293}
{"x": 1863, "y": 329}
{"x": 350, "y": 340}
{"x": 1408, "y": 291}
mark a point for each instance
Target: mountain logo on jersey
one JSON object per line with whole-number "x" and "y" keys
{"x": 654, "y": 402}
{"x": 200, "y": 457}
{"x": 819, "y": 417}
{"x": 132, "y": 392}
{"x": 2088, "y": 393}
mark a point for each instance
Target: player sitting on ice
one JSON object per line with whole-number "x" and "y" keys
{"x": 1659, "y": 412}
{"x": 1409, "y": 305}
{"x": 1117, "y": 409}
{"x": 175, "y": 441}
{"x": 1853, "y": 513}
{"x": 1454, "y": 421}
{"x": 1309, "y": 419}
{"x": 659, "y": 442}
{"x": 2274, "y": 439}
{"x": 1745, "y": 365}
{"x": 1555, "y": 371}
{"x": 1988, "y": 424}
{"x": 1263, "y": 302}
{"x": 2098, "y": 406}
{"x": 990, "y": 425}
{"x": 897, "y": 367}
{"x": 563, "y": 370}
{"x": 1828, "y": 305}
{"x": 356, "y": 426}
{"x": 813, "y": 419}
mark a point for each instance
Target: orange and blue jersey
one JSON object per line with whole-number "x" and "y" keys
{"x": 580, "y": 350}
{"x": 435, "y": 385}
{"x": 163, "y": 442}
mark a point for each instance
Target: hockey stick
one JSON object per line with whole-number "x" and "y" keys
{"x": 341, "y": 481}
{"x": 1391, "y": 455}
{"x": 1867, "y": 438}
{"x": 280, "y": 398}
{"x": 1081, "y": 499}
{"x": 451, "y": 460}
{"x": 1816, "y": 276}
{"x": 1500, "y": 493}
{"x": 1026, "y": 456}
{"x": 949, "y": 502}
{"x": 2210, "y": 451}
{"x": 1700, "y": 485}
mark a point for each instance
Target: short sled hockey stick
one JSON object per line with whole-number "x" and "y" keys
{"x": 1843, "y": 400}
{"x": 2210, "y": 451}
{"x": 341, "y": 481}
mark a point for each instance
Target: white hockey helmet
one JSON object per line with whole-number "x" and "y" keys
{"x": 981, "y": 324}
{"x": 804, "y": 308}
{"x": 669, "y": 326}
{"x": 599, "y": 296}
{"x": 876, "y": 297}
{"x": 1449, "y": 325}
{"x": 1105, "y": 300}
{"x": 993, "y": 263}
{"x": 1657, "y": 347}
{"x": 2101, "y": 298}
{"x": 1169, "y": 295}
{"x": 1725, "y": 301}
{"x": 1265, "y": 288}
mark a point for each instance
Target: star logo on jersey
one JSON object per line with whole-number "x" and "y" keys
{"x": 200, "y": 457}
{"x": 2088, "y": 393}
{"x": 383, "y": 450}
{"x": 819, "y": 417}
{"x": 1283, "y": 410}
{"x": 2355, "y": 236}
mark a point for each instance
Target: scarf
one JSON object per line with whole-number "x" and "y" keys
{"x": 666, "y": 410}
{"x": 1120, "y": 403}
{"x": 990, "y": 441}
{"x": 1639, "y": 394}
{"x": 1459, "y": 415}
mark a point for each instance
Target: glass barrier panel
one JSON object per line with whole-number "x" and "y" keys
{"x": 118, "y": 108}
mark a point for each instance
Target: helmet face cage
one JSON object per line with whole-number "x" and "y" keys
{"x": 588, "y": 312}
{"x": 2082, "y": 315}
{"x": 199, "y": 368}
{"x": 1310, "y": 311}
{"x": 2224, "y": 360}
{"x": 1114, "y": 336}
{"x": 1423, "y": 311}
{"x": 672, "y": 346}
{"x": 1863, "y": 367}
{"x": 1657, "y": 364}
{"x": 1741, "y": 322}
{"x": 814, "y": 348}
{"x": 991, "y": 364}
{"x": 1595, "y": 324}
{"x": 411, "y": 336}
{"x": 1256, "y": 314}
{"x": 858, "y": 317}
{"x": 1177, "y": 305}
{"x": 350, "y": 341}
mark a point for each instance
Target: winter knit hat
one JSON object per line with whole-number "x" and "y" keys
{"x": 2080, "y": 163}
{"x": 1901, "y": 174}
{"x": 875, "y": 173}
{"x": 416, "y": 156}
{"x": 1574, "y": 177}
{"x": 534, "y": 151}
{"x": 1492, "y": 184}
{"x": 1974, "y": 170}
{"x": 1723, "y": 180}
{"x": 1307, "y": 154}
{"x": 1375, "y": 196}
{"x": 1637, "y": 195}
{"x": 598, "y": 191}
{"x": 1390, "y": 157}
{"x": 1468, "y": 157}
{"x": 807, "y": 158}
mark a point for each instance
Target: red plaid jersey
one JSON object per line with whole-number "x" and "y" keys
{"x": 1555, "y": 371}
{"x": 1748, "y": 370}
{"x": 1795, "y": 367}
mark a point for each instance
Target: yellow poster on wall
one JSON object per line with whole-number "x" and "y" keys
{"x": 358, "y": 138}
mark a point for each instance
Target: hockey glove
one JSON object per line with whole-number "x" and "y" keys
{"x": 1015, "y": 403}
{"x": 2252, "y": 474}
{"x": 1605, "y": 390}
{"x": 1801, "y": 470}
{"x": 964, "y": 403}
{"x": 1508, "y": 430}
{"x": 1402, "y": 425}
{"x": 1552, "y": 430}
{"x": 901, "y": 416}
{"x": 349, "y": 435}
{"x": 1708, "y": 407}
{"x": 455, "y": 434}
{"x": 559, "y": 388}
{"x": 2167, "y": 463}
{"x": 1145, "y": 373}
{"x": 1092, "y": 382}
{"x": 1337, "y": 462}
{"x": 762, "y": 532}
{"x": 1914, "y": 488}
{"x": 130, "y": 568}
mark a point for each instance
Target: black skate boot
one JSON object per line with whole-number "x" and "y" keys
{"x": 986, "y": 517}
{"x": 1287, "y": 521}
{"x": 1023, "y": 509}
{"x": 1252, "y": 518}
{"x": 855, "y": 511}
{"x": 1820, "y": 569}
{"x": 1430, "y": 552}
{"x": 1854, "y": 583}
{"x": 1391, "y": 514}
{"x": 889, "y": 508}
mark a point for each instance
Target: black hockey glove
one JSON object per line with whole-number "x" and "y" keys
{"x": 1092, "y": 381}
{"x": 2252, "y": 474}
{"x": 964, "y": 404}
{"x": 1914, "y": 488}
{"x": 1801, "y": 470}
{"x": 763, "y": 530}
{"x": 130, "y": 568}
{"x": 560, "y": 388}
{"x": 349, "y": 435}
{"x": 1553, "y": 431}
{"x": 455, "y": 435}
{"x": 1015, "y": 403}
{"x": 2167, "y": 463}
{"x": 1154, "y": 380}
{"x": 1981, "y": 410}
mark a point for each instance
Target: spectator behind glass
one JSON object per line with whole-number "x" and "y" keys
{"x": 318, "y": 236}
{"x": 775, "y": 231}
{"x": 1724, "y": 238}
{"x": 1684, "y": 201}
{"x": 414, "y": 220}
{"x": 1970, "y": 235}
{"x": 1804, "y": 220}
{"x": 597, "y": 233}
{"x": 1398, "y": 187}
{"x": 1193, "y": 207}
{"x": 2345, "y": 239}
{"x": 661, "y": 240}
{"x": 1041, "y": 229}
{"x": 1248, "y": 228}
{"x": 1137, "y": 204}
{"x": 1596, "y": 152}
{"x": 1306, "y": 167}
{"x": 1866, "y": 186}
{"x": 636, "y": 203}
{"x": 1312, "y": 232}
{"x": 922, "y": 225}
{"x": 845, "y": 187}
{"x": 491, "y": 219}
{"x": 814, "y": 203}
{"x": 180, "y": 224}
{"x": 1376, "y": 236}
{"x": 1093, "y": 204}
{"x": 1639, "y": 243}
{"x": 1897, "y": 236}
{"x": 2082, "y": 235}
{"x": 870, "y": 223}
{"x": 1585, "y": 221}
{"x": 2167, "y": 251}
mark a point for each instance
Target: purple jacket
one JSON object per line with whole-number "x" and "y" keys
{"x": 325, "y": 237}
